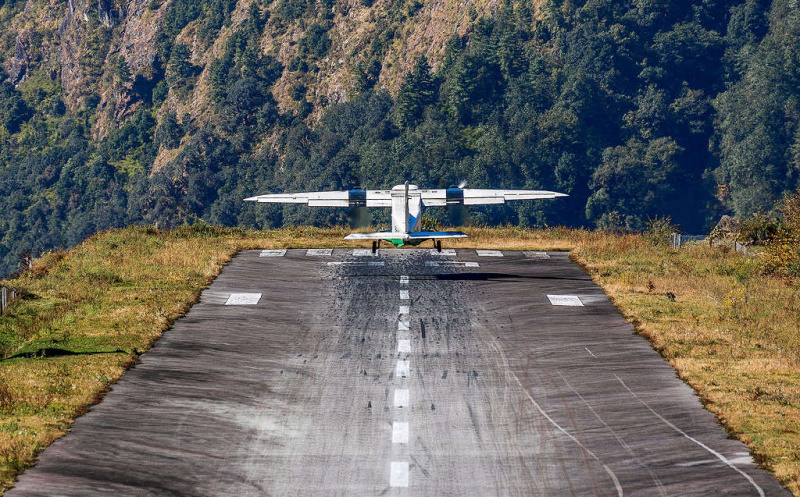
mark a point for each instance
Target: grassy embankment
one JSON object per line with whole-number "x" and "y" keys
{"x": 87, "y": 314}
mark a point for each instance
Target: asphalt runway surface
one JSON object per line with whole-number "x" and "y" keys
{"x": 409, "y": 373}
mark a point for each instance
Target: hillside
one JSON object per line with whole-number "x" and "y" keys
{"x": 167, "y": 112}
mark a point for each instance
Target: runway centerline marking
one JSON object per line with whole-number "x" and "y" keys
{"x": 399, "y": 474}
{"x": 404, "y": 346}
{"x": 403, "y": 368}
{"x": 403, "y": 325}
{"x": 404, "y": 280}
{"x": 401, "y": 397}
{"x": 272, "y": 253}
{"x": 400, "y": 432}
{"x": 364, "y": 253}
{"x": 489, "y": 253}
{"x": 450, "y": 252}
{"x": 319, "y": 252}
{"x": 243, "y": 299}
{"x": 567, "y": 300}
{"x": 701, "y": 444}
{"x": 404, "y": 295}
{"x": 404, "y": 309}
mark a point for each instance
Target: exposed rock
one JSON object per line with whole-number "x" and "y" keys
{"x": 727, "y": 224}
{"x": 17, "y": 65}
{"x": 138, "y": 44}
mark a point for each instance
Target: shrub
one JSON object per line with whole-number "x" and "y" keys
{"x": 783, "y": 250}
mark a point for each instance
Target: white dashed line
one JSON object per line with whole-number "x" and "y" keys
{"x": 399, "y": 474}
{"x": 403, "y": 325}
{"x": 404, "y": 346}
{"x": 404, "y": 280}
{"x": 400, "y": 432}
{"x": 536, "y": 255}
{"x": 451, "y": 263}
{"x": 404, "y": 309}
{"x": 401, "y": 397}
{"x": 364, "y": 253}
{"x": 243, "y": 299}
{"x": 319, "y": 252}
{"x": 403, "y": 368}
{"x": 489, "y": 253}
{"x": 404, "y": 295}
{"x": 568, "y": 300}
{"x": 450, "y": 252}
{"x": 356, "y": 263}
{"x": 272, "y": 253}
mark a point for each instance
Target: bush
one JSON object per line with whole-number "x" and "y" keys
{"x": 659, "y": 230}
{"x": 783, "y": 250}
{"x": 759, "y": 229}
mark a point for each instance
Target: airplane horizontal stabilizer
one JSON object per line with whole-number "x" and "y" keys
{"x": 380, "y": 235}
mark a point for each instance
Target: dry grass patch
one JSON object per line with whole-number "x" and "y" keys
{"x": 86, "y": 315}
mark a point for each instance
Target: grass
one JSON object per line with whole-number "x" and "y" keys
{"x": 86, "y": 315}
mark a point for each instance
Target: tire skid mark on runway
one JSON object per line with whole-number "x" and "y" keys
{"x": 701, "y": 444}
{"x": 619, "y": 439}
{"x": 553, "y": 422}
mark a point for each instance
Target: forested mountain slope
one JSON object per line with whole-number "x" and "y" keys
{"x": 172, "y": 111}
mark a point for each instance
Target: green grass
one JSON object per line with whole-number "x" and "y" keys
{"x": 86, "y": 315}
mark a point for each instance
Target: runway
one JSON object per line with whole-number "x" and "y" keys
{"x": 465, "y": 373}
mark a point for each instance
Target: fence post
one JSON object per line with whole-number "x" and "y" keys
{"x": 3, "y": 299}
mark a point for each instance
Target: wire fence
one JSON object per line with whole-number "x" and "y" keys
{"x": 679, "y": 239}
{"x": 6, "y": 296}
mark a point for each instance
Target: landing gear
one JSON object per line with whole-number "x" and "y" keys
{"x": 375, "y": 247}
{"x": 438, "y": 245}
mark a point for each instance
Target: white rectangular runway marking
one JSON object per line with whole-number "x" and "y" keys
{"x": 570, "y": 300}
{"x": 399, "y": 474}
{"x": 272, "y": 253}
{"x": 451, "y": 252}
{"x": 536, "y": 255}
{"x": 356, "y": 263}
{"x": 489, "y": 253}
{"x": 404, "y": 346}
{"x": 404, "y": 295}
{"x": 451, "y": 263}
{"x": 363, "y": 253}
{"x": 400, "y": 432}
{"x": 243, "y": 299}
{"x": 403, "y": 368}
{"x": 404, "y": 309}
{"x": 401, "y": 397}
{"x": 404, "y": 280}
{"x": 319, "y": 252}
{"x": 403, "y": 325}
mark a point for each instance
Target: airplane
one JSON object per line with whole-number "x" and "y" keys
{"x": 407, "y": 202}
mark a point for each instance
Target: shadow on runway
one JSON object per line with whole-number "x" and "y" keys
{"x": 500, "y": 276}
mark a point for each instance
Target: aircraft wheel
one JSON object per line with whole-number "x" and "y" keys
{"x": 438, "y": 245}
{"x": 374, "y": 247}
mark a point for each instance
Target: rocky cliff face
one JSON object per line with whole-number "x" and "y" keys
{"x": 98, "y": 51}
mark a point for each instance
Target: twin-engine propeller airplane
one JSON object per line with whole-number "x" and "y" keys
{"x": 407, "y": 202}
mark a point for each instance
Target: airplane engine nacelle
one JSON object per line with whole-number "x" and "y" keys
{"x": 455, "y": 196}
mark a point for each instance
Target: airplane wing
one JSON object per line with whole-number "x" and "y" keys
{"x": 348, "y": 198}
{"x": 471, "y": 196}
